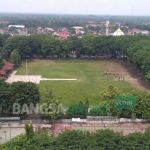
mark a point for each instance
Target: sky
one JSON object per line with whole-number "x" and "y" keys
{"x": 92, "y": 7}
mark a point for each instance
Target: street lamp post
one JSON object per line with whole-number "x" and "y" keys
{"x": 5, "y": 135}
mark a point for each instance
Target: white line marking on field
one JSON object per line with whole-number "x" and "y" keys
{"x": 45, "y": 79}
{"x": 32, "y": 78}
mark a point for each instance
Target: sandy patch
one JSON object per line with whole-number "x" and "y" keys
{"x": 130, "y": 75}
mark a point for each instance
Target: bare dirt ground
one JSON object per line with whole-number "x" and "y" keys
{"x": 122, "y": 69}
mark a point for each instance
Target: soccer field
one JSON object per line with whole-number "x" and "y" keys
{"x": 89, "y": 83}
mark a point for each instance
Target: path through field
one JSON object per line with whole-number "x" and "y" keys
{"x": 122, "y": 69}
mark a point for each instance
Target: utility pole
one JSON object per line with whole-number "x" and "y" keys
{"x": 10, "y": 127}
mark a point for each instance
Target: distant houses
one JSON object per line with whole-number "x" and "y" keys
{"x": 91, "y": 27}
{"x": 135, "y": 31}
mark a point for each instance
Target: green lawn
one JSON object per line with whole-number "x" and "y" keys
{"x": 89, "y": 84}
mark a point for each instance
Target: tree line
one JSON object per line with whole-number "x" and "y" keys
{"x": 134, "y": 49}
{"x": 79, "y": 140}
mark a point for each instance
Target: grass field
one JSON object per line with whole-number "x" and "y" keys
{"x": 88, "y": 72}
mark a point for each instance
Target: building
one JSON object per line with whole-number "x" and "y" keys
{"x": 145, "y": 32}
{"x": 16, "y": 26}
{"x": 24, "y": 33}
{"x": 78, "y": 28}
{"x": 134, "y": 31}
{"x": 6, "y": 68}
{"x": 93, "y": 25}
{"x": 118, "y": 32}
{"x": 64, "y": 35}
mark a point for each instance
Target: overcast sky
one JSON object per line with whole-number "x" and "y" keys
{"x": 99, "y": 7}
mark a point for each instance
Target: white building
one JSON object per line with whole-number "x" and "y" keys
{"x": 16, "y": 26}
{"x": 145, "y": 32}
{"x": 118, "y": 32}
{"x": 79, "y": 28}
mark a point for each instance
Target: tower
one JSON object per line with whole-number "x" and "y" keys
{"x": 107, "y": 27}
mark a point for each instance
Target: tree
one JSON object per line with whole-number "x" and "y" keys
{"x": 78, "y": 110}
{"x": 53, "y": 107}
{"x": 25, "y": 92}
{"x": 148, "y": 76}
{"x": 5, "y": 99}
{"x": 48, "y": 46}
{"x": 110, "y": 93}
{"x": 66, "y": 46}
{"x": 87, "y": 44}
{"x": 29, "y": 131}
{"x": 1, "y": 63}
{"x": 142, "y": 109}
{"x": 17, "y": 92}
{"x": 15, "y": 57}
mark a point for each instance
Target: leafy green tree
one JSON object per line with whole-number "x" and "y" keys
{"x": 29, "y": 130}
{"x": 53, "y": 108}
{"x": 110, "y": 93}
{"x": 15, "y": 57}
{"x": 87, "y": 44}
{"x": 1, "y": 63}
{"x": 25, "y": 92}
{"x": 17, "y": 92}
{"x": 148, "y": 76}
{"x": 66, "y": 46}
{"x": 38, "y": 141}
{"x": 78, "y": 110}
{"x": 48, "y": 46}
{"x": 5, "y": 98}
{"x": 142, "y": 109}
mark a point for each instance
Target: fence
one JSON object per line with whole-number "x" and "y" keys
{"x": 89, "y": 119}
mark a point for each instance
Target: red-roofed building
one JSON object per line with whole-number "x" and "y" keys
{"x": 2, "y": 72}
{"x": 6, "y": 68}
{"x": 64, "y": 35}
